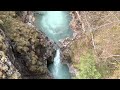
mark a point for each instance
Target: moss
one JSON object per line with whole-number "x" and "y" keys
{"x": 87, "y": 67}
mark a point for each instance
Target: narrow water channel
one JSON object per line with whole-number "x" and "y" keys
{"x": 55, "y": 24}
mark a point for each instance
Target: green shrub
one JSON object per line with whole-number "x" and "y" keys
{"x": 87, "y": 68}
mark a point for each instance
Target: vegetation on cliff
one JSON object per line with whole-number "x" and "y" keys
{"x": 96, "y": 53}
{"x": 30, "y": 48}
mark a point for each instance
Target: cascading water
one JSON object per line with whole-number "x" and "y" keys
{"x": 55, "y": 24}
{"x": 57, "y": 62}
{"x": 59, "y": 70}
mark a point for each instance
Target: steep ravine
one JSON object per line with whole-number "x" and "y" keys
{"x": 29, "y": 50}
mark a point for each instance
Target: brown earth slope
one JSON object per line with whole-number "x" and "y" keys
{"x": 96, "y": 54}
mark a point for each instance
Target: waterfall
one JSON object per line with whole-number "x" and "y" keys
{"x": 59, "y": 70}
{"x": 57, "y": 63}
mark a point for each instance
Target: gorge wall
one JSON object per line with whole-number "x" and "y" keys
{"x": 26, "y": 49}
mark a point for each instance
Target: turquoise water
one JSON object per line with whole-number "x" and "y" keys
{"x": 55, "y": 24}
{"x": 59, "y": 71}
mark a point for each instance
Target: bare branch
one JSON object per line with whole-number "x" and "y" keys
{"x": 93, "y": 43}
{"x": 110, "y": 56}
{"x": 114, "y": 16}
{"x": 106, "y": 25}
{"x": 79, "y": 17}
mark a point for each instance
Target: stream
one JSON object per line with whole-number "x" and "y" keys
{"x": 55, "y": 24}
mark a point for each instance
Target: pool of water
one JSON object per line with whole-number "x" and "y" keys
{"x": 55, "y": 24}
{"x": 59, "y": 70}
{"x": 63, "y": 72}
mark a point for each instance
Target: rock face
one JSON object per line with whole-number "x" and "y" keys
{"x": 28, "y": 49}
{"x": 7, "y": 69}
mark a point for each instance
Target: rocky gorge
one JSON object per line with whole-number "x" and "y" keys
{"x": 92, "y": 52}
{"x": 29, "y": 50}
